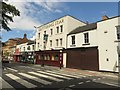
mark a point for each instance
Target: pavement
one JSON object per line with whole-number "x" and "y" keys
{"x": 93, "y": 73}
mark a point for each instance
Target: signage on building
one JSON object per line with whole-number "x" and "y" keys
{"x": 57, "y": 22}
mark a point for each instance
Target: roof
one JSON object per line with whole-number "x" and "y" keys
{"x": 87, "y": 27}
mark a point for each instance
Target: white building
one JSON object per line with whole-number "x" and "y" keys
{"x": 104, "y": 35}
{"x": 53, "y": 35}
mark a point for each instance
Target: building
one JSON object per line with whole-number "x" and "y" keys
{"x": 95, "y": 46}
{"x": 25, "y": 51}
{"x": 52, "y": 37}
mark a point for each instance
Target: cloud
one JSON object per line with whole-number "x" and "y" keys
{"x": 31, "y": 11}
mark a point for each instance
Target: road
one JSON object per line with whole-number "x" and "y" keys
{"x": 20, "y": 75}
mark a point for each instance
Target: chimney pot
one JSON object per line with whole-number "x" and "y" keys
{"x": 104, "y": 17}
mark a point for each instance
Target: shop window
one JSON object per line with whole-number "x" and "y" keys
{"x": 42, "y": 57}
{"x": 45, "y": 57}
{"x": 56, "y": 57}
{"x": 53, "y": 58}
{"x": 48, "y": 57}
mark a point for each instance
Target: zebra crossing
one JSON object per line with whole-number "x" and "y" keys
{"x": 39, "y": 77}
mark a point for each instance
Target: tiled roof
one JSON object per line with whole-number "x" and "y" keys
{"x": 87, "y": 27}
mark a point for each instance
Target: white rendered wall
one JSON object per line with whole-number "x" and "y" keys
{"x": 106, "y": 45}
{"x": 79, "y": 39}
{"x": 69, "y": 23}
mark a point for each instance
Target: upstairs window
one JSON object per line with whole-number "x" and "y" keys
{"x": 86, "y": 38}
{"x": 73, "y": 40}
{"x": 38, "y": 45}
{"x": 61, "y": 28}
{"x": 50, "y": 43}
{"x": 51, "y": 30}
{"x": 57, "y": 29}
{"x": 118, "y": 32}
{"x": 61, "y": 42}
{"x": 56, "y": 42}
{"x": 38, "y": 35}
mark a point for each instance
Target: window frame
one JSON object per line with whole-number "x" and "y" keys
{"x": 86, "y": 38}
{"x": 73, "y": 39}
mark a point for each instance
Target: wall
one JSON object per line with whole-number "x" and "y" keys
{"x": 79, "y": 39}
{"x": 106, "y": 32}
{"x": 69, "y": 23}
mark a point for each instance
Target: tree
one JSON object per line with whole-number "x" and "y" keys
{"x": 8, "y": 12}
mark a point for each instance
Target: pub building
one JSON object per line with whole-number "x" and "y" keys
{"x": 51, "y": 40}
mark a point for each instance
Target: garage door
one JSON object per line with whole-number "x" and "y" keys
{"x": 83, "y": 58}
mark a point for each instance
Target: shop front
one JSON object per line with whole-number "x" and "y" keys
{"x": 49, "y": 57}
{"x": 27, "y": 57}
{"x": 17, "y": 56}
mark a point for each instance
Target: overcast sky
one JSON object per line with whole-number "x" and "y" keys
{"x": 36, "y": 13}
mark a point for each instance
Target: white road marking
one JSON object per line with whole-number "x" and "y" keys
{"x": 94, "y": 79}
{"x": 80, "y": 82}
{"x": 54, "y": 75}
{"x": 0, "y": 83}
{"x": 88, "y": 81}
{"x": 99, "y": 78}
{"x": 71, "y": 85}
{"x": 35, "y": 78}
{"x": 12, "y": 69}
{"x": 46, "y": 76}
{"x": 21, "y": 81}
{"x": 111, "y": 84}
{"x": 64, "y": 74}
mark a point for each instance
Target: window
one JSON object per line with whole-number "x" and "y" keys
{"x": 38, "y": 35}
{"x": 33, "y": 47}
{"x": 38, "y": 45}
{"x": 50, "y": 43}
{"x": 86, "y": 38}
{"x": 44, "y": 32}
{"x": 61, "y": 28}
{"x": 56, "y": 57}
{"x": 56, "y": 42}
{"x": 51, "y": 30}
{"x": 61, "y": 42}
{"x": 57, "y": 29}
{"x": 73, "y": 40}
{"x": 24, "y": 48}
{"x": 118, "y": 32}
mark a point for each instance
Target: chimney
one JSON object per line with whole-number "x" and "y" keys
{"x": 104, "y": 17}
{"x": 25, "y": 35}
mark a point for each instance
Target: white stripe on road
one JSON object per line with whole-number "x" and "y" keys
{"x": 74, "y": 74}
{"x": 64, "y": 74}
{"x": 21, "y": 81}
{"x": 12, "y": 69}
{"x": 54, "y": 75}
{"x": 80, "y": 83}
{"x": 45, "y": 76}
{"x": 71, "y": 85}
{"x": 35, "y": 79}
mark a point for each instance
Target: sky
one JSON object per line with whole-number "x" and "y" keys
{"x": 36, "y": 13}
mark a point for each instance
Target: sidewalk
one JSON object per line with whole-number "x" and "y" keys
{"x": 93, "y": 73}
